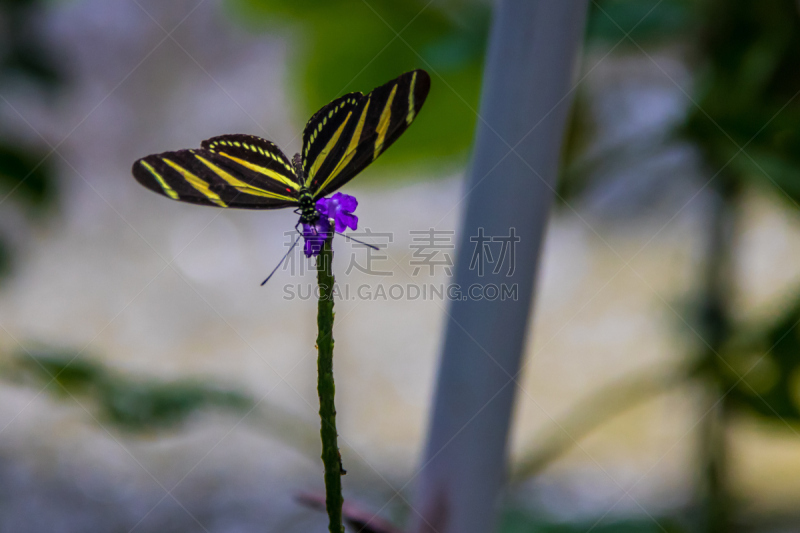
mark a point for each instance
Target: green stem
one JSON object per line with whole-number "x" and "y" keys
{"x": 717, "y": 502}
{"x": 717, "y": 327}
{"x": 331, "y": 458}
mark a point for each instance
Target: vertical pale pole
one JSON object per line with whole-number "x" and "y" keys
{"x": 527, "y": 91}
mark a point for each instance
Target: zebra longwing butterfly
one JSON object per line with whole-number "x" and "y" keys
{"x": 248, "y": 172}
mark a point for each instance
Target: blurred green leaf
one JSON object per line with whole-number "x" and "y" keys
{"x": 5, "y": 259}
{"x": 18, "y": 3}
{"x": 747, "y": 93}
{"x": 152, "y": 405}
{"x": 131, "y": 404}
{"x": 30, "y": 62}
{"x": 22, "y": 52}
{"x": 517, "y": 521}
{"x": 25, "y": 175}
{"x": 581, "y": 131}
{"x": 73, "y": 375}
{"x": 350, "y": 45}
{"x": 26, "y": 178}
{"x": 644, "y": 20}
{"x": 764, "y": 369}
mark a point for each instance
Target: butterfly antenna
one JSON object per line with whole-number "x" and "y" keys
{"x": 282, "y": 260}
{"x": 349, "y": 238}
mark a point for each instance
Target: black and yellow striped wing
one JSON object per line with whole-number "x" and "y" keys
{"x": 241, "y": 171}
{"x": 348, "y": 134}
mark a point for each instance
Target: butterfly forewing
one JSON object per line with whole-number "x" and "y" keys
{"x": 359, "y": 129}
{"x": 325, "y": 130}
{"x": 208, "y": 177}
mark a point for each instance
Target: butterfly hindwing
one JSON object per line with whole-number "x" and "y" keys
{"x": 257, "y": 154}
{"x": 359, "y": 130}
{"x": 210, "y": 178}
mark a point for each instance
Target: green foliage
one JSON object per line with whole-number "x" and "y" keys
{"x": 5, "y": 259}
{"x": 25, "y": 175}
{"x": 350, "y": 45}
{"x": 742, "y": 117}
{"x": 516, "y": 521}
{"x": 763, "y": 371}
{"x": 745, "y": 55}
{"x": 144, "y": 406}
{"x": 642, "y": 20}
{"x": 130, "y": 404}
{"x": 746, "y": 125}
{"x": 22, "y": 169}
{"x": 747, "y": 93}
{"x": 22, "y": 53}
{"x": 69, "y": 375}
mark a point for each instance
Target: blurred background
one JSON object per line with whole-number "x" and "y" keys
{"x": 149, "y": 384}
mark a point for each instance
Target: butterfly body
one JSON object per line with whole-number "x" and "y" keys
{"x": 307, "y": 207}
{"x": 306, "y": 204}
{"x": 248, "y": 172}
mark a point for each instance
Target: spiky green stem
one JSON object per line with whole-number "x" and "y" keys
{"x": 331, "y": 458}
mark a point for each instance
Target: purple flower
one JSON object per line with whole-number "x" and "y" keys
{"x": 338, "y": 209}
{"x": 335, "y": 213}
{"x": 315, "y": 235}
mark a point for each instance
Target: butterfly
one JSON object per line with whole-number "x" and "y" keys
{"x": 248, "y": 172}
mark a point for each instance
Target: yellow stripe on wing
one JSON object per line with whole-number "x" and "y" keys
{"x": 351, "y": 148}
{"x": 169, "y": 191}
{"x": 328, "y": 147}
{"x": 240, "y": 185}
{"x": 196, "y": 182}
{"x": 277, "y": 176}
{"x": 383, "y": 123}
{"x": 410, "y": 115}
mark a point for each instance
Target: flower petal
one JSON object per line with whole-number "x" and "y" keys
{"x": 323, "y": 206}
{"x": 346, "y": 220}
{"x": 348, "y": 203}
{"x": 336, "y": 213}
{"x": 315, "y": 236}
